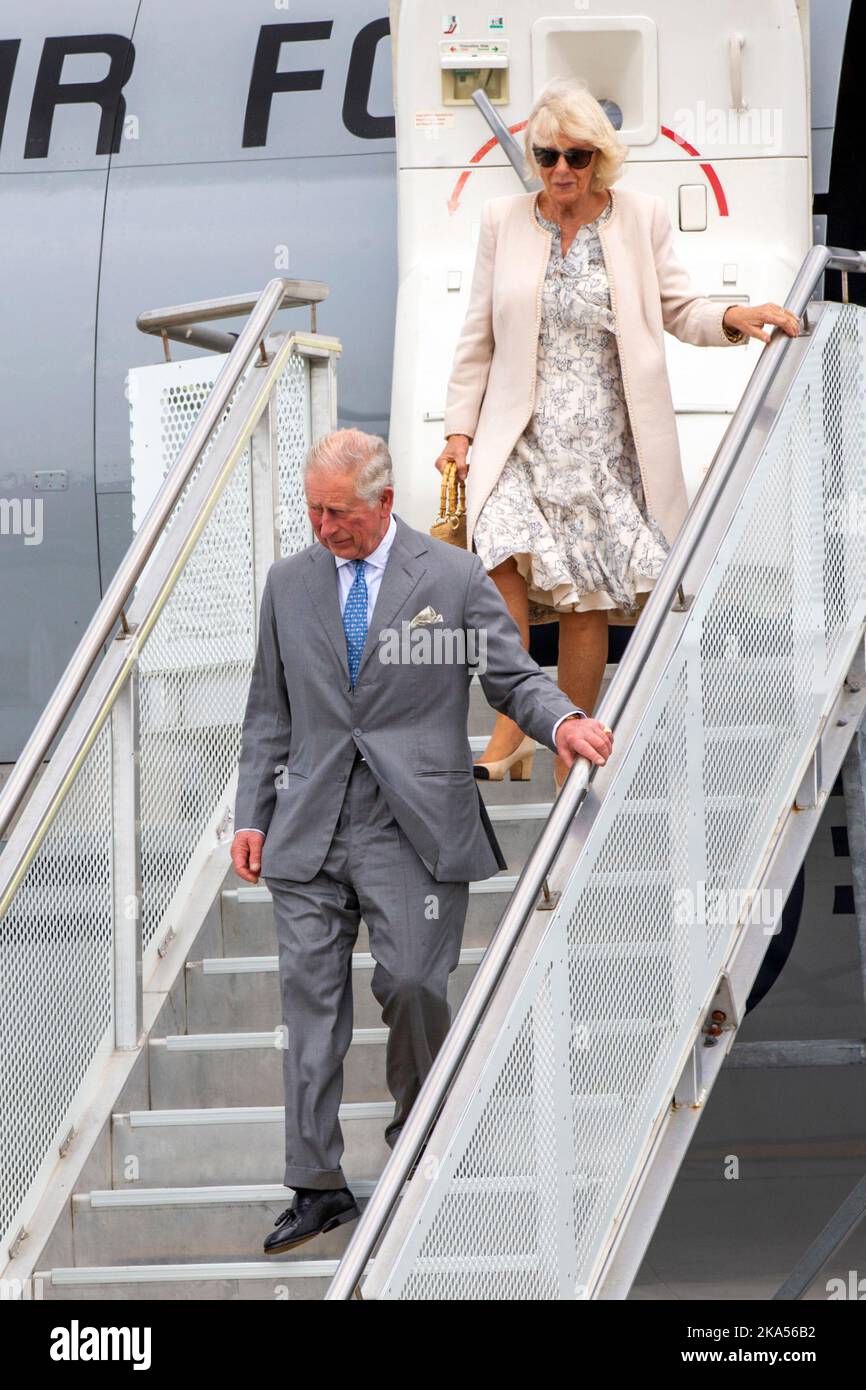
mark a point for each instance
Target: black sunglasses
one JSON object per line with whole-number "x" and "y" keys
{"x": 575, "y": 159}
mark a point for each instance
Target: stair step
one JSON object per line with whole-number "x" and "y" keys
{"x": 246, "y": 1068}
{"x": 497, "y": 883}
{"x": 233, "y": 1144}
{"x": 276, "y": 1279}
{"x": 229, "y": 992}
{"x": 145, "y": 1225}
{"x": 248, "y": 916}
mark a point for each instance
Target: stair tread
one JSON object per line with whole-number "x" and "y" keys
{"x": 242, "y": 1114}
{"x": 240, "y": 1040}
{"x": 256, "y": 965}
{"x": 215, "y": 1194}
{"x": 169, "y": 1273}
{"x": 501, "y": 882}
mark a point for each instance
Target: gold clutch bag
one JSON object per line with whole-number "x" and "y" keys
{"x": 450, "y": 524}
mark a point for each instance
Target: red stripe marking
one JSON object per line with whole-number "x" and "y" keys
{"x": 678, "y": 140}
{"x": 712, "y": 177}
{"x": 715, "y": 185}
{"x": 454, "y": 200}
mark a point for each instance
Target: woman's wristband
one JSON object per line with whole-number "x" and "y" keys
{"x": 733, "y": 335}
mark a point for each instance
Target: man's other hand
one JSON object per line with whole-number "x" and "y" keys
{"x": 247, "y": 854}
{"x": 584, "y": 738}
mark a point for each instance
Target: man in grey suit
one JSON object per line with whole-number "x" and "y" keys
{"x": 356, "y": 795}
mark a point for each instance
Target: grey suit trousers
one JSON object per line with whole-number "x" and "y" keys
{"x": 415, "y": 927}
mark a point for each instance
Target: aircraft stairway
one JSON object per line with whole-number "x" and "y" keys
{"x": 142, "y": 1127}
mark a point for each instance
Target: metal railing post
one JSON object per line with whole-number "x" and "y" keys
{"x": 323, "y": 396}
{"x": 265, "y": 497}
{"x": 126, "y": 865}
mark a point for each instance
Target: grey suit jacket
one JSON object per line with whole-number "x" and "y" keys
{"x": 408, "y": 713}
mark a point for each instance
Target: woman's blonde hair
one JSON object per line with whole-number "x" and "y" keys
{"x": 565, "y": 112}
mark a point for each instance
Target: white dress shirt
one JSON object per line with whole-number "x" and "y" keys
{"x": 374, "y": 568}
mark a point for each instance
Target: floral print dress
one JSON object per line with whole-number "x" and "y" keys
{"x": 569, "y": 503}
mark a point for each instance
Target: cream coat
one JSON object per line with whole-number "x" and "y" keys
{"x": 491, "y": 392}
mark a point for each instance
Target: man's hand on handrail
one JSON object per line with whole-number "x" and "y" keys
{"x": 584, "y": 738}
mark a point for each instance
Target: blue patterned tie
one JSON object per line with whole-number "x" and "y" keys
{"x": 355, "y": 620}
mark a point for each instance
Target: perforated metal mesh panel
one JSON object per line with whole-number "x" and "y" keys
{"x": 566, "y": 1091}
{"x": 194, "y": 676}
{"x": 165, "y": 401}
{"x": 55, "y": 980}
{"x": 843, "y": 500}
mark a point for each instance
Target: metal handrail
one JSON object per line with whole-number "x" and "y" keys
{"x": 129, "y": 571}
{"x": 507, "y": 142}
{"x": 181, "y": 321}
{"x": 663, "y": 598}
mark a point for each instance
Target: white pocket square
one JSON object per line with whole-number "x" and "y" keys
{"x": 427, "y": 615}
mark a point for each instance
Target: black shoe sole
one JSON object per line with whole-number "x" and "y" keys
{"x": 330, "y": 1225}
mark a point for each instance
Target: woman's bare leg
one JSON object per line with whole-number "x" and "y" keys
{"x": 512, "y": 586}
{"x": 582, "y": 659}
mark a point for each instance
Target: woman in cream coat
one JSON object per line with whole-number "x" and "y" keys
{"x": 575, "y": 490}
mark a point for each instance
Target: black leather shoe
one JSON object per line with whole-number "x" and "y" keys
{"x": 311, "y": 1213}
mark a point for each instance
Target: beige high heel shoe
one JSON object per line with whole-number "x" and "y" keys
{"x": 518, "y": 764}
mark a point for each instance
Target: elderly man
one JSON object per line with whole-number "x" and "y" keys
{"x": 356, "y": 795}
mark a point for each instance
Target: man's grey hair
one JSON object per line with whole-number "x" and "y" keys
{"x": 364, "y": 456}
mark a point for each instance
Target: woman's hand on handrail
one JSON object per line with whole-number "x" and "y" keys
{"x": 455, "y": 451}
{"x": 750, "y": 319}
